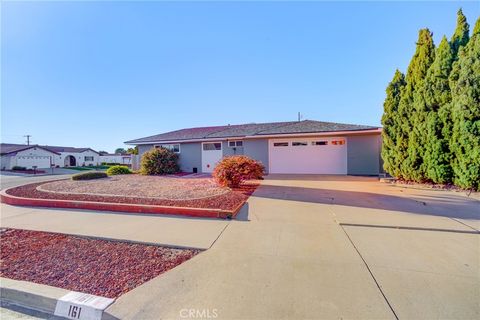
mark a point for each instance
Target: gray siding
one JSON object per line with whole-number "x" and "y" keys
{"x": 363, "y": 155}
{"x": 257, "y": 149}
{"x": 190, "y": 155}
{"x": 142, "y": 148}
{"x": 230, "y": 151}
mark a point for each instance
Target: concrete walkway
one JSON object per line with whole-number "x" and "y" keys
{"x": 297, "y": 258}
{"x": 155, "y": 229}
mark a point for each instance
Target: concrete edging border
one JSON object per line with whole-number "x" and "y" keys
{"x": 34, "y": 296}
{"x": 119, "y": 207}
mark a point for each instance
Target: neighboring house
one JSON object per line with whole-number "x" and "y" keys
{"x": 25, "y": 156}
{"x": 71, "y": 156}
{"x": 45, "y": 156}
{"x": 283, "y": 147}
{"x": 115, "y": 158}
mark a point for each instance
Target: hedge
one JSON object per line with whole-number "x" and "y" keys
{"x": 90, "y": 175}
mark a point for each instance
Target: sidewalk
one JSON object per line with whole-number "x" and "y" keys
{"x": 154, "y": 229}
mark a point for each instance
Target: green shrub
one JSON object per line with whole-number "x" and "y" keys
{"x": 90, "y": 175}
{"x": 114, "y": 170}
{"x": 19, "y": 168}
{"x": 232, "y": 171}
{"x": 110, "y": 163}
{"x": 159, "y": 161}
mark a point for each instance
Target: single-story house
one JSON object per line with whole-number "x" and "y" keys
{"x": 45, "y": 156}
{"x": 27, "y": 156}
{"x": 115, "y": 158}
{"x": 303, "y": 147}
{"x": 72, "y": 157}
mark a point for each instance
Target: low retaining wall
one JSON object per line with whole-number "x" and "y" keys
{"x": 119, "y": 207}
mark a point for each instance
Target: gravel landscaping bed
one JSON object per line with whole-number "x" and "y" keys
{"x": 166, "y": 188}
{"x": 228, "y": 200}
{"x": 99, "y": 267}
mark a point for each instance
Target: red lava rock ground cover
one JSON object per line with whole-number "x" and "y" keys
{"x": 227, "y": 201}
{"x": 99, "y": 267}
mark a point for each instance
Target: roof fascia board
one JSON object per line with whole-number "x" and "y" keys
{"x": 260, "y": 136}
{"x": 316, "y": 134}
{"x": 184, "y": 140}
{"x": 28, "y": 148}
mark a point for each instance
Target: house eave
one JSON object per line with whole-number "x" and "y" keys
{"x": 263, "y": 136}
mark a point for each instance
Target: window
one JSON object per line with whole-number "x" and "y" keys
{"x": 319, "y": 143}
{"x": 212, "y": 146}
{"x": 172, "y": 147}
{"x": 88, "y": 158}
{"x": 280, "y": 144}
{"x": 338, "y": 142}
{"x": 238, "y": 143}
{"x": 301, "y": 143}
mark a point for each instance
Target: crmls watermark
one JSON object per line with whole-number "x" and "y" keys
{"x": 199, "y": 313}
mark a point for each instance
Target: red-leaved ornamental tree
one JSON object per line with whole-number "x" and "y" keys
{"x": 233, "y": 170}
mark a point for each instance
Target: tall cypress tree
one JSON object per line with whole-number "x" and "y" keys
{"x": 460, "y": 36}
{"x": 437, "y": 98}
{"x": 412, "y": 110}
{"x": 391, "y": 124}
{"x": 465, "y": 141}
{"x": 476, "y": 29}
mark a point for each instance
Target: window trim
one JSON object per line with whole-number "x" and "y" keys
{"x": 213, "y": 142}
{"x": 92, "y": 157}
{"x": 235, "y": 143}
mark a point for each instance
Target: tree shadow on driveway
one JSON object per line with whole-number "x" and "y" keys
{"x": 419, "y": 202}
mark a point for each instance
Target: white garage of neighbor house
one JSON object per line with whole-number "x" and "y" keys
{"x": 26, "y": 156}
{"x": 41, "y": 157}
{"x": 303, "y": 147}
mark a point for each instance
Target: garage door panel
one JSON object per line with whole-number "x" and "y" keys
{"x": 30, "y": 161}
{"x": 312, "y": 155}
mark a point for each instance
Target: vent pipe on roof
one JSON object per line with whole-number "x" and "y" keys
{"x": 300, "y": 116}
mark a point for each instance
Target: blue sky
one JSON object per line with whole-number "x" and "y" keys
{"x": 96, "y": 74}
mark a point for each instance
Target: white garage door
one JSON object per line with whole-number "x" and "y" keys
{"x": 308, "y": 155}
{"x": 30, "y": 161}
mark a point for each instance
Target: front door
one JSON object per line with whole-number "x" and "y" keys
{"x": 211, "y": 154}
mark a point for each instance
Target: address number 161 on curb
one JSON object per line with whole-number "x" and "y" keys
{"x": 81, "y": 306}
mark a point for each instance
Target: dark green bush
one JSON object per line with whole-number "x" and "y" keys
{"x": 19, "y": 168}
{"x": 90, "y": 175}
{"x": 114, "y": 170}
{"x": 159, "y": 161}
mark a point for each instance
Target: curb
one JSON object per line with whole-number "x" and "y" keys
{"x": 119, "y": 207}
{"x": 416, "y": 186}
{"x": 34, "y": 296}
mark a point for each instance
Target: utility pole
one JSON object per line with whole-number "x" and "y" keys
{"x": 28, "y": 138}
{"x": 299, "y": 116}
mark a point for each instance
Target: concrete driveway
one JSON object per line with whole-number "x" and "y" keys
{"x": 322, "y": 247}
{"x": 317, "y": 247}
